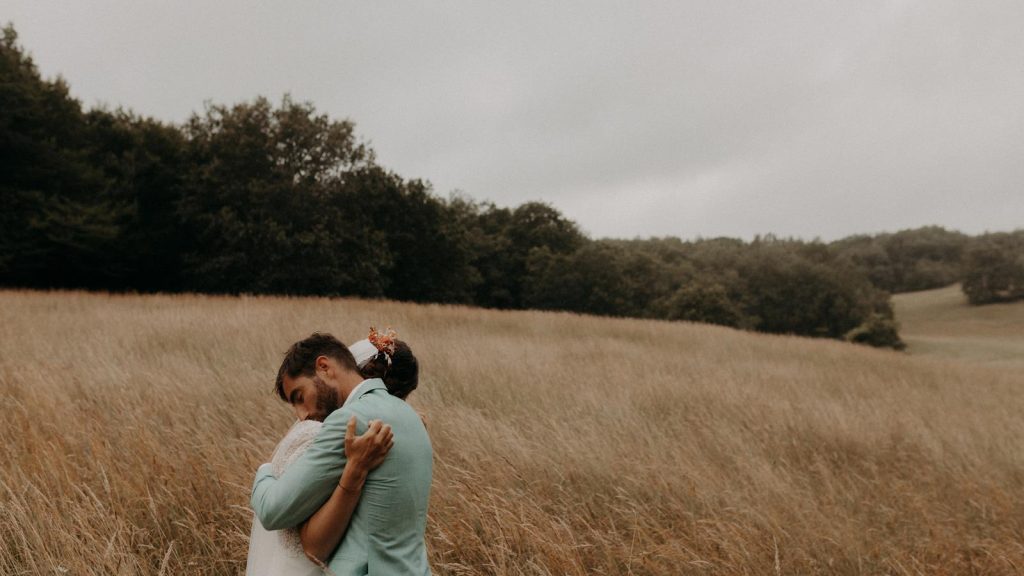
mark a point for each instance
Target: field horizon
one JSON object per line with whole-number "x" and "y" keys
{"x": 564, "y": 444}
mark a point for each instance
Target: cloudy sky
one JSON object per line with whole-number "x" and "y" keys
{"x": 808, "y": 118}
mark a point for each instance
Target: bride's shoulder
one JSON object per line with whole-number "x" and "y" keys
{"x": 305, "y": 425}
{"x": 302, "y": 430}
{"x": 295, "y": 441}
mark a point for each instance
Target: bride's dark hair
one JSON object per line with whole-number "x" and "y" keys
{"x": 401, "y": 376}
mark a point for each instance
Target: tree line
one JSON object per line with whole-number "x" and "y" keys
{"x": 281, "y": 199}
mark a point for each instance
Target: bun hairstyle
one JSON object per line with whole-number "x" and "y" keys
{"x": 394, "y": 363}
{"x": 400, "y": 375}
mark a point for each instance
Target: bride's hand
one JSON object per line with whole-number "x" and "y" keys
{"x": 366, "y": 452}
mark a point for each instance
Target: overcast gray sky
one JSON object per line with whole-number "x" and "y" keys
{"x": 806, "y": 118}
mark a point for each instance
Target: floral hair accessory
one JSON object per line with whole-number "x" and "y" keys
{"x": 383, "y": 342}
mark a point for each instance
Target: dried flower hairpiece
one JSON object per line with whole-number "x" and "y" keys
{"x": 383, "y": 342}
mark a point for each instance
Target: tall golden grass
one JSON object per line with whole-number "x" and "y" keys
{"x": 132, "y": 425}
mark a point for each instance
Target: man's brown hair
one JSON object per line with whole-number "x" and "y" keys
{"x": 300, "y": 359}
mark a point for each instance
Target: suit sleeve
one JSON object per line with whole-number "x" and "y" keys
{"x": 288, "y": 501}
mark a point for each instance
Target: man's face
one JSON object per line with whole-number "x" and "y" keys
{"x": 311, "y": 397}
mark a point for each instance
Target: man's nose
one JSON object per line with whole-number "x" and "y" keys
{"x": 303, "y": 414}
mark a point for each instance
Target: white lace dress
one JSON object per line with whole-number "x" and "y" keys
{"x": 279, "y": 552}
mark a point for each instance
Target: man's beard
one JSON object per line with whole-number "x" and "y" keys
{"x": 326, "y": 399}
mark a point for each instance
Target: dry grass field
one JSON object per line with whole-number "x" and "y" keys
{"x": 131, "y": 427}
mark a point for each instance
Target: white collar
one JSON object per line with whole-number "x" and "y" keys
{"x": 355, "y": 393}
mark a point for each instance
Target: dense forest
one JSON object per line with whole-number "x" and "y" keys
{"x": 281, "y": 199}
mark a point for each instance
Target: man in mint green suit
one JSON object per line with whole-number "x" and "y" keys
{"x": 386, "y": 533}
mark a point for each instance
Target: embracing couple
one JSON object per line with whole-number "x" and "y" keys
{"x": 347, "y": 488}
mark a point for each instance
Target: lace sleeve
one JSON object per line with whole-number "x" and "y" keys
{"x": 294, "y": 443}
{"x": 291, "y": 447}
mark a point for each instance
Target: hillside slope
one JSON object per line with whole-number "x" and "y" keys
{"x": 940, "y": 323}
{"x": 564, "y": 445}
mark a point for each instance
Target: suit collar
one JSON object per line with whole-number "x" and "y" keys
{"x": 363, "y": 388}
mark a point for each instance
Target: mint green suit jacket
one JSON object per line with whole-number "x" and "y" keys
{"x": 386, "y": 534}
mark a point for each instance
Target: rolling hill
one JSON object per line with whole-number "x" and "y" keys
{"x": 940, "y": 323}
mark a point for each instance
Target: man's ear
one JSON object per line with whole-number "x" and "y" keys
{"x": 323, "y": 364}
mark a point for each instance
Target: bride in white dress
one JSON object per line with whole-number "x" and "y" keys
{"x": 276, "y": 553}
{"x": 281, "y": 552}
